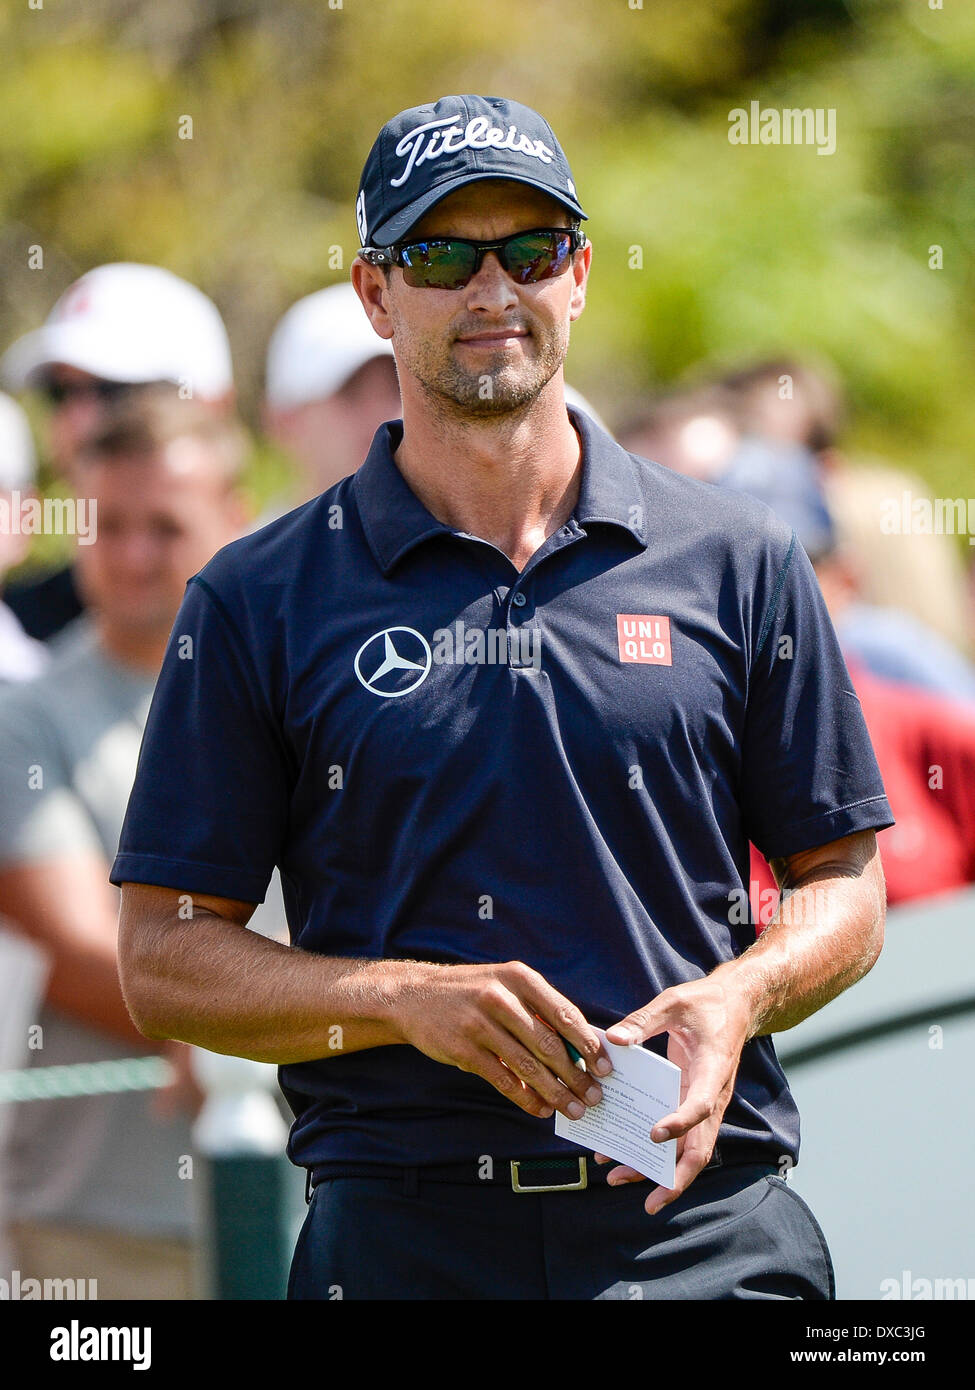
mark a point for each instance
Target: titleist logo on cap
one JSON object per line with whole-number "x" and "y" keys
{"x": 421, "y": 143}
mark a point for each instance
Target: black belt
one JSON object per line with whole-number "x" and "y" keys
{"x": 567, "y": 1173}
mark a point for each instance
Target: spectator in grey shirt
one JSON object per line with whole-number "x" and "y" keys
{"x": 95, "y": 1184}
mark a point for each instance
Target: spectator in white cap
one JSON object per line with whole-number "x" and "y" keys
{"x": 331, "y": 382}
{"x": 20, "y": 655}
{"x": 119, "y": 327}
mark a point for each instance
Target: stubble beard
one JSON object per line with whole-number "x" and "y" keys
{"x": 500, "y": 388}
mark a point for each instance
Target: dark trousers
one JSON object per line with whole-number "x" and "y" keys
{"x": 737, "y": 1232}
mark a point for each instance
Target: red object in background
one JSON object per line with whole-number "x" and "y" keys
{"x": 925, "y": 746}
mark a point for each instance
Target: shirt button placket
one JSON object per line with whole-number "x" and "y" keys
{"x": 518, "y": 652}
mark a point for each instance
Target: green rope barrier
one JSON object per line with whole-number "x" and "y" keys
{"x": 86, "y": 1079}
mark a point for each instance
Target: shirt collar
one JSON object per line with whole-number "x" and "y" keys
{"x": 395, "y": 520}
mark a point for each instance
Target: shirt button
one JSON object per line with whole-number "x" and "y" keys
{"x": 519, "y": 600}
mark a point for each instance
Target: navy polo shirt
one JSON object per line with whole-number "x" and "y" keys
{"x": 453, "y": 761}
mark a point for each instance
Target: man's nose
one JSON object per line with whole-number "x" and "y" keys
{"x": 492, "y": 288}
{"x": 137, "y": 550}
{"x": 79, "y": 414}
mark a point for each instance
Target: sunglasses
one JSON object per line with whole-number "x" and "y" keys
{"x": 450, "y": 263}
{"x": 59, "y": 392}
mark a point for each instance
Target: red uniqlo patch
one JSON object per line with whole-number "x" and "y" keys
{"x": 644, "y": 637}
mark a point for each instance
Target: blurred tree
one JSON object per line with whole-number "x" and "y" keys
{"x": 705, "y": 251}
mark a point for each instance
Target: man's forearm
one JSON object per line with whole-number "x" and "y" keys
{"x": 223, "y": 987}
{"x": 826, "y": 934}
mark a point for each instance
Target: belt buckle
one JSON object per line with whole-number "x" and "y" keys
{"x": 577, "y": 1186}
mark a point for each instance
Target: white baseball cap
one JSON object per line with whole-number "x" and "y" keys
{"x": 18, "y": 462}
{"x": 132, "y": 323}
{"x": 318, "y": 345}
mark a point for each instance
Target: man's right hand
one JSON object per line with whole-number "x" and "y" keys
{"x": 503, "y": 1022}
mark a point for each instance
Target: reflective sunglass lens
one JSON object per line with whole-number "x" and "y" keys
{"x": 449, "y": 264}
{"x": 445, "y": 265}
{"x": 531, "y": 258}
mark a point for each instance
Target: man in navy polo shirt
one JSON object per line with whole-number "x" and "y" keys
{"x": 506, "y": 708}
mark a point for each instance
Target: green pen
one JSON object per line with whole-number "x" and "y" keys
{"x": 575, "y": 1055}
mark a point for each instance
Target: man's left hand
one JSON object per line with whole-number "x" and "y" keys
{"x": 707, "y": 1023}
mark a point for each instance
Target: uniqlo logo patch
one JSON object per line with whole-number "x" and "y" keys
{"x": 644, "y": 637}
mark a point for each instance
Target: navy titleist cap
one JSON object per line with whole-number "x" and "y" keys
{"x": 424, "y": 153}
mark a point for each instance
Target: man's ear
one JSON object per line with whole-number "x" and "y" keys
{"x": 581, "y": 262}
{"x": 369, "y": 283}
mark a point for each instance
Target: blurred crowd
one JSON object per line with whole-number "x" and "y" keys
{"x": 134, "y": 374}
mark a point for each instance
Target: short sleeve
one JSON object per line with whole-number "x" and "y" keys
{"x": 809, "y": 774}
{"x": 208, "y": 809}
{"x": 41, "y": 814}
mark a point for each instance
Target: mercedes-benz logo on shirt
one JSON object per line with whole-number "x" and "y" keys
{"x": 393, "y": 662}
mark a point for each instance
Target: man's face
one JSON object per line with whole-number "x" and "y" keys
{"x": 489, "y": 348}
{"x": 331, "y": 436}
{"x": 158, "y": 521}
{"x": 76, "y": 415}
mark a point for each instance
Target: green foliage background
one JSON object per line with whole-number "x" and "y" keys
{"x": 746, "y": 249}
